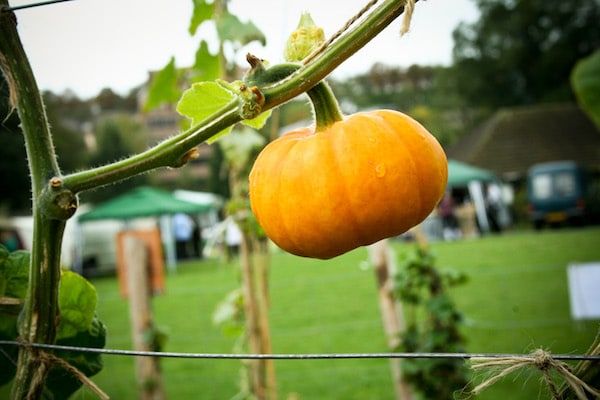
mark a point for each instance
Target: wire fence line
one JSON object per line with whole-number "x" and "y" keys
{"x": 316, "y": 356}
{"x": 32, "y": 5}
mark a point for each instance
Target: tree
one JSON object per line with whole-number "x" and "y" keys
{"x": 13, "y": 159}
{"x": 68, "y": 135}
{"x": 426, "y": 93}
{"x": 522, "y": 51}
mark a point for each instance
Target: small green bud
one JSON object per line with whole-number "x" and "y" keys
{"x": 304, "y": 39}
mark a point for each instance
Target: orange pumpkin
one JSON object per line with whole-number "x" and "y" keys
{"x": 369, "y": 176}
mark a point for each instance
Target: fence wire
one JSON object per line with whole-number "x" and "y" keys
{"x": 32, "y": 5}
{"x": 316, "y": 356}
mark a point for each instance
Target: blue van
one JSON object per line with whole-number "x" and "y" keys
{"x": 556, "y": 192}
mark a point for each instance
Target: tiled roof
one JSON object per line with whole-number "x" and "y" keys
{"x": 514, "y": 139}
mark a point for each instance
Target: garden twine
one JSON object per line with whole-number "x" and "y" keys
{"x": 48, "y": 360}
{"x": 539, "y": 359}
{"x": 409, "y": 8}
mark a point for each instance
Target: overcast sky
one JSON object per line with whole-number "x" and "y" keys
{"x": 86, "y": 45}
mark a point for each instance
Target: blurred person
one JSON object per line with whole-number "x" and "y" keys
{"x": 183, "y": 228}
{"x": 467, "y": 219}
{"x": 449, "y": 222}
{"x": 233, "y": 239}
{"x": 493, "y": 203}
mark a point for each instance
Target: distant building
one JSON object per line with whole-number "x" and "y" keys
{"x": 515, "y": 139}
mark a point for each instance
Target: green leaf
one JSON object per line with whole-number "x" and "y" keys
{"x": 585, "y": 80}
{"x": 259, "y": 121}
{"x": 62, "y": 383}
{"x": 3, "y": 254}
{"x": 77, "y": 301}
{"x": 207, "y": 67}
{"x": 202, "y": 12}
{"x": 78, "y": 325}
{"x": 163, "y": 87}
{"x": 229, "y": 314}
{"x": 202, "y": 100}
{"x": 14, "y": 273}
{"x": 230, "y": 28}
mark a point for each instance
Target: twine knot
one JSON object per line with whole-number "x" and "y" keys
{"x": 540, "y": 359}
{"x": 409, "y": 8}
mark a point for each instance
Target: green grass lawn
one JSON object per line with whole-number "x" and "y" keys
{"x": 516, "y": 300}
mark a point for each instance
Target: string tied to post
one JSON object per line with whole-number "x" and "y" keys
{"x": 541, "y": 360}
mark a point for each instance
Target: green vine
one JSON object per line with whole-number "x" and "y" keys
{"x": 432, "y": 325}
{"x": 55, "y": 195}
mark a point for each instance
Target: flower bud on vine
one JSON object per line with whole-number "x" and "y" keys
{"x": 304, "y": 39}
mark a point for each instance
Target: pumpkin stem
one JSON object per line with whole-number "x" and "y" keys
{"x": 325, "y": 105}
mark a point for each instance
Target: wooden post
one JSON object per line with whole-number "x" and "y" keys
{"x": 256, "y": 370}
{"x": 254, "y": 261}
{"x": 261, "y": 264}
{"x": 380, "y": 255}
{"x": 140, "y": 310}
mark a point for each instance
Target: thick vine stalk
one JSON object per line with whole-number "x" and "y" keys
{"x": 40, "y": 315}
{"x": 54, "y": 196}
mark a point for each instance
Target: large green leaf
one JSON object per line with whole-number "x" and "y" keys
{"x": 202, "y": 100}
{"x": 78, "y": 325}
{"x": 77, "y": 300}
{"x": 207, "y": 67}
{"x": 163, "y": 87}
{"x": 62, "y": 383}
{"x": 230, "y": 28}
{"x": 202, "y": 12}
{"x": 585, "y": 80}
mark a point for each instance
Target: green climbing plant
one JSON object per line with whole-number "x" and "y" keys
{"x": 55, "y": 193}
{"x": 432, "y": 325}
{"x": 78, "y": 326}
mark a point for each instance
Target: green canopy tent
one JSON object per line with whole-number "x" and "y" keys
{"x": 143, "y": 202}
{"x": 147, "y": 202}
{"x": 460, "y": 174}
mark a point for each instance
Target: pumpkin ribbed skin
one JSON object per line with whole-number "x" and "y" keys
{"x": 368, "y": 177}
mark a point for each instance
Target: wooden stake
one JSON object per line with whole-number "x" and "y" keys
{"x": 257, "y": 381}
{"x": 261, "y": 263}
{"x": 380, "y": 255}
{"x": 140, "y": 310}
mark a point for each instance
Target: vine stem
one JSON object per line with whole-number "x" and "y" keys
{"x": 53, "y": 195}
{"x": 170, "y": 152}
{"x": 39, "y": 319}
